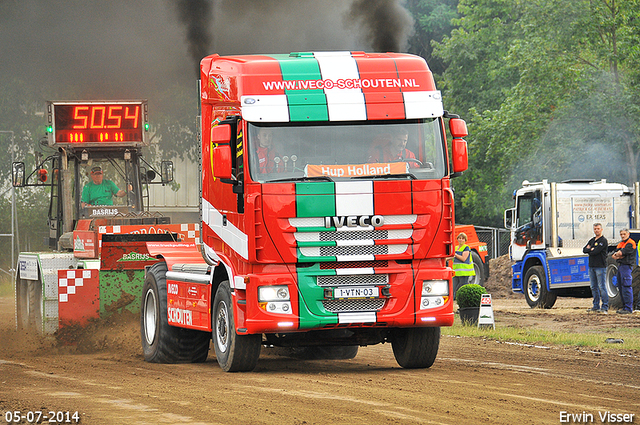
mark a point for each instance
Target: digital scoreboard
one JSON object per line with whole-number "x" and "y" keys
{"x": 97, "y": 123}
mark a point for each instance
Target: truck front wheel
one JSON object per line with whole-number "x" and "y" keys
{"x": 535, "y": 289}
{"x": 415, "y": 348}
{"x": 161, "y": 342}
{"x": 235, "y": 353}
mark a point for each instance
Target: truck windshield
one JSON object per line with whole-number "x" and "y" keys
{"x": 346, "y": 150}
{"x": 105, "y": 183}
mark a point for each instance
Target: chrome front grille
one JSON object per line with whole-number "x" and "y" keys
{"x": 367, "y": 279}
{"x": 315, "y": 241}
{"x": 343, "y": 306}
{"x": 354, "y": 250}
{"x": 354, "y": 236}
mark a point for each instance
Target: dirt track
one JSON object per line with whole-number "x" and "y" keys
{"x": 473, "y": 381}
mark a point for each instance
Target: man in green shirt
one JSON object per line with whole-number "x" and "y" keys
{"x": 100, "y": 191}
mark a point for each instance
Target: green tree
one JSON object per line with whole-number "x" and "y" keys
{"x": 433, "y": 21}
{"x": 550, "y": 90}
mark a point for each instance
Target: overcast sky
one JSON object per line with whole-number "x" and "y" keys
{"x": 134, "y": 48}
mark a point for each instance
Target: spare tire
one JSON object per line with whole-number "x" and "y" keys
{"x": 478, "y": 267}
{"x": 611, "y": 282}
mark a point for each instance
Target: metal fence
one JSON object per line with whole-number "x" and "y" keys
{"x": 497, "y": 240}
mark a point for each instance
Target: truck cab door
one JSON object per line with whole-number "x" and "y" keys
{"x": 527, "y": 224}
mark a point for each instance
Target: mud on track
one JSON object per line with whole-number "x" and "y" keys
{"x": 105, "y": 379}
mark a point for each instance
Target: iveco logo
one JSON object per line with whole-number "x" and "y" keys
{"x": 354, "y": 221}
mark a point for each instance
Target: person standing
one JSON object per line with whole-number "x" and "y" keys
{"x": 596, "y": 248}
{"x": 462, "y": 263}
{"x": 625, "y": 254}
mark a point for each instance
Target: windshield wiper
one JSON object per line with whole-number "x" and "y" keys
{"x": 301, "y": 179}
{"x": 387, "y": 176}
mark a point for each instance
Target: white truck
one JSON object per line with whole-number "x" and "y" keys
{"x": 552, "y": 222}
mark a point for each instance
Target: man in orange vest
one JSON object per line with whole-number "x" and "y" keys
{"x": 625, "y": 254}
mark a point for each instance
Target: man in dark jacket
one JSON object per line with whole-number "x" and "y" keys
{"x": 597, "y": 250}
{"x": 625, "y": 254}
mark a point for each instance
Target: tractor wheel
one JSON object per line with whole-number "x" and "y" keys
{"x": 415, "y": 348}
{"x": 161, "y": 342}
{"x": 535, "y": 289}
{"x": 478, "y": 267}
{"x": 29, "y": 304}
{"x": 235, "y": 353}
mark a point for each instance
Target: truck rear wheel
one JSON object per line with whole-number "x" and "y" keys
{"x": 235, "y": 353}
{"x": 478, "y": 267}
{"x": 415, "y": 348}
{"x": 161, "y": 342}
{"x": 535, "y": 289}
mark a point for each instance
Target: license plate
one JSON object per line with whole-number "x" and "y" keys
{"x": 356, "y": 292}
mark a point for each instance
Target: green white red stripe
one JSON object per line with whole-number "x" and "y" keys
{"x": 335, "y": 86}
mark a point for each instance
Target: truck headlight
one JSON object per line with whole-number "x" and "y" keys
{"x": 435, "y": 293}
{"x": 274, "y": 299}
{"x": 273, "y": 293}
{"x": 433, "y": 288}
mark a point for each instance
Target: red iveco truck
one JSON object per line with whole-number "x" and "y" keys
{"x": 327, "y": 213}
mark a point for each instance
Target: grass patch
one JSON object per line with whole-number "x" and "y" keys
{"x": 631, "y": 336}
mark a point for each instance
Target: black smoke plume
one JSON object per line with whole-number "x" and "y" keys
{"x": 197, "y": 16}
{"x": 386, "y": 23}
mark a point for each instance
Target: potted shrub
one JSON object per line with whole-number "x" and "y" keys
{"x": 468, "y": 298}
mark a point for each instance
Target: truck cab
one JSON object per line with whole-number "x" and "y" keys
{"x": 327, "y": 211}
{"x": 551, "y": 223}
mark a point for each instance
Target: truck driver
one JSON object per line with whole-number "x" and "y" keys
{"x": 100, "y": 191}
{"x": 393, "y": 149}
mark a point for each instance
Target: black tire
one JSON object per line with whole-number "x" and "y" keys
{"x": 478, "y": 267}
{"x": 611, "y": 281}
{"x": 161, "y": 342}
{"x": 29, "y": 305}
{"x": 415, "y": 348}
{"x": 235, "y": 353}
{"x": 535, "y": 289}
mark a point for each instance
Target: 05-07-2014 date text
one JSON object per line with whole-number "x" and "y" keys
{"x": 41, "y": 417}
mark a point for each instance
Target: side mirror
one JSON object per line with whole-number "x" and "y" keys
{"x": 222, "y": 162}
{"x": 460, "y": 156}
{"x": 166, "y": 171}
{"x": 18, "y": 174}
{"x": 221, "y": 151}
{"x": 458, "y": 128}
{"x": 508, "y": 218}
{"x": 221, "y": 134}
